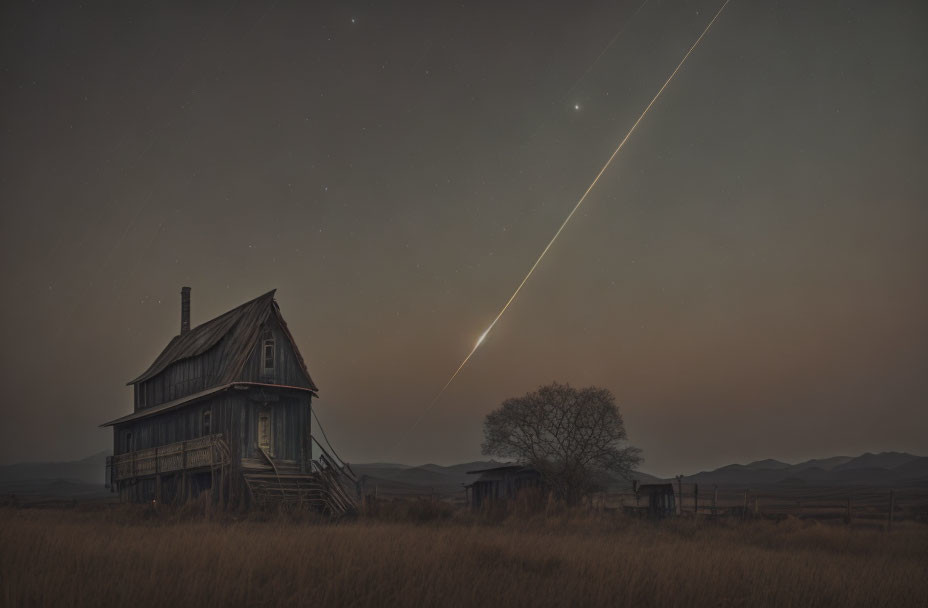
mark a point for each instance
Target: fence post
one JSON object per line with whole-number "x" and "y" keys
{"x": 892, "y": 507}
{"x": 680, "y": 492}
{"x": 183, "y": 474}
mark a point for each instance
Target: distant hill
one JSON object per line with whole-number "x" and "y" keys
{"x": 913, "y": 468}
{"x": 392, "y": 478}
{"x": 88, "y": 470}
{"x": 885, "y": 468}
{"x": 768, "y": 465}
{"x": 883, "y": 460}
{"x": 69, "y": 479}
{"x": 85, "y": 478}
{"x": 825, "y": 464}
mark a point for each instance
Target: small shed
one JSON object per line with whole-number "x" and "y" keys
{"x": 657, "y": 499}
{"x": 501, "y": 483}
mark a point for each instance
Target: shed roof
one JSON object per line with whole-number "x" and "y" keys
{"x": 498, "y": 474}
{"x": 649, "y": 488}
{"x": 505, "y": 472}
{"x": 240, "y": 326}
{"x": 505, "y": 467}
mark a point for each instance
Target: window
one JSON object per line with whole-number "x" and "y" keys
{"x": 207, "y": 418}
{"x": 264, "y": 430}
{"x": 267, "y": 355}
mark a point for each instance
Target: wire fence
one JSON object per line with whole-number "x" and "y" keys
{"x": 855, "y": 503}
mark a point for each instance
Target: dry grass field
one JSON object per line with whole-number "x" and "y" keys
{"x": 133, "y": 557}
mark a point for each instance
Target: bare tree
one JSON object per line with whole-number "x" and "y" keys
{"x": 574, "y": 437}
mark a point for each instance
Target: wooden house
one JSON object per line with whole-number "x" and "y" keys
{"x": 226, "y": 409}
{"x": 501, "y": 483}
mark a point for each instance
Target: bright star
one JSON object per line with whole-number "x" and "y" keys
{"x": 576, "y": 106}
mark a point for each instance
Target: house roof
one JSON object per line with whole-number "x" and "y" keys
{"x": 189, "y": 399}
{"x": 240, "y": 327}
{"x": 169, "y": 405}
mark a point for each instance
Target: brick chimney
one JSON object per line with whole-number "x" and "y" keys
{"x": 184, "y": 310}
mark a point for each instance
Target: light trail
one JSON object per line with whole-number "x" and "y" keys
{"x": 605, "y": 49}
{"x": 567, "y": 96}
{"x": 592, "y": 185}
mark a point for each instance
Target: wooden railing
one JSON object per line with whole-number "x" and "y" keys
{"x": 207, "y": 451}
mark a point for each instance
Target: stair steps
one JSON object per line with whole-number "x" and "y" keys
{"x": 320, "y": 490}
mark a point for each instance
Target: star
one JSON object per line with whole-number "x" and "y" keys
{"x": 576, "y": 106}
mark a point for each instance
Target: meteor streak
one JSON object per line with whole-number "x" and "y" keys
{"x": 566, "y": 220}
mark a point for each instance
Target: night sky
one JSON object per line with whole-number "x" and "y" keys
{"x": 749, "y": 276}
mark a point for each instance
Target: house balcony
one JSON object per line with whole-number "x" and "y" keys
{"x": 202, "y": 453}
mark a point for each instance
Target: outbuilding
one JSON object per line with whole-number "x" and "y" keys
{"x": 656, "y": 500}
{"x": 501, "y": 483}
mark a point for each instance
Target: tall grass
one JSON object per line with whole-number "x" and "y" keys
{"x": 139, "y": 558}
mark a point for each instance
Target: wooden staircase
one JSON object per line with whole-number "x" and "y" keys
{"x": 329, "y": 488}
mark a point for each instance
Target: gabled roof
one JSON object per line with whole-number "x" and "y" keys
{"x": 240, "y": 327}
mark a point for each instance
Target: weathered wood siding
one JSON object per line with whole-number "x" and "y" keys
{"x": 204, "y": 371}
{"x": 290, "y": 425}
{"x": 180, "y": 425}
{"x": 287, "y": 368}
{"x": 172, "y": 488}
{"x": 233, "y": 413}
{"x": 182, "y": 378}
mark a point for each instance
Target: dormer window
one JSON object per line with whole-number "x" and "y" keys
{"x": 267, "y": 354}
